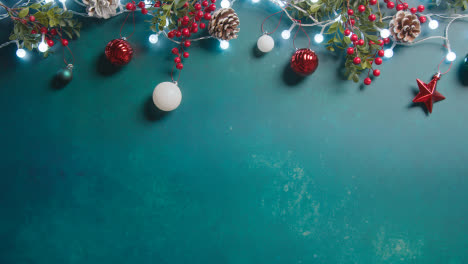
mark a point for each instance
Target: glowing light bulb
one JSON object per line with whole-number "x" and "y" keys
{"x": 451, "y": 56}
{"x": 224, "y": 44}
{"x": 225, "y": 4}
{"x": 255, "y": 1}
{"x": 153, "y": 38}
{"x": 286, "y": 34}
{"x": 433, "y": 24}
{"x": 318, "y": 38}
{"x": 20, "y": 53}
{"x": 314, "y": 1}
{"x": 385, "y": 33}
{"x": 388, "y": 53}
{"x": 42, "y": 47}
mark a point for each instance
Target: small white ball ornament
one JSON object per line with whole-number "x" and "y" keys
{"x": 167, "y": 96}
{"x": 265, "y": 43}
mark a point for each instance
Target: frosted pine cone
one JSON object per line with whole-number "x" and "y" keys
{"x": 101, "y": 8}
{"x": 224, "y": 24}
{"x": 405, "y": 26}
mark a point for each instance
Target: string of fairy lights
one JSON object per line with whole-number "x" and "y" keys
{"x": 433, "y": 23}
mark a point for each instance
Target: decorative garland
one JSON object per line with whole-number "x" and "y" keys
{"x": 357, "y": 27}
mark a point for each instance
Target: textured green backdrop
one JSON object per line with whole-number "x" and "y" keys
{"x": 254, "y": 167}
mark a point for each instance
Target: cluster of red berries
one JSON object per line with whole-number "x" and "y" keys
{"x": 49, "y": 34}
{"x": 404, "y": 6}
{"x": 131, "y": 6}
{"x": 188, "y": 25}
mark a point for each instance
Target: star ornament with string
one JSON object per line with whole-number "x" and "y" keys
{"x": 428, "y": 93}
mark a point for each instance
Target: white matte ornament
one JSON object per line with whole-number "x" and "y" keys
{"x": 265, "y": 43}
{"x": 167, "y": 96}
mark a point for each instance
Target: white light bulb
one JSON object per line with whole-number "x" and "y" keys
{"x": 42, "y": 47}
{"x": 255, "y": 1}
{"x": 224, "y": 44}
{"x": 20, "y": 53}
{"x": 318, "y": 38}
{"x": 286, "y": 34}
{"x": 153, "y": 38}
{"x": 225, "y": 4}
{"x": 385, "y": 33}
{"x": 388, "y": 53}
{"x": 451, "y": 56}
{"x": 314, "y": 1}
{"x": 433, "y": 24}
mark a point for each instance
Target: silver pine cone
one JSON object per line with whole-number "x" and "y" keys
{"x": 224, "y": 24}
{"x": 101, "y": 8}
{"x": 405, "y": 26}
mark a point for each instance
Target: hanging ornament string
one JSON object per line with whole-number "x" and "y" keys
{"x": 72, "y": 57}
{"x": 133, "y": 15}
{"x": 279, "y": 22}
{"x": 295, "y": 35}
{"x": 440, "y": 63}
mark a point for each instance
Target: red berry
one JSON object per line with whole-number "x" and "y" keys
{"x": 350, "y": 12}
{"x": 421, "y": 8}
{"x": 184, "y": 23}
{"x": 33, "y": 32}
{"x": 381, "y": 53}
{"x": 361, "y": 8}
{"x": 53, "y": 32}
{"x": 352, "y": 21}
{"x": 207, "y": 16}
{"x": 372, "y": 17}
{"x": 390, "y": 5}
{"x": 178, "y": 34}
{"x": 64, "y": 42}
{"x": 204, "y": 3}
{"x": 186, "y": 5}
{"x": 197, "y": 6}
{"x": 360, "y": 42}
{"x": 422, "y": 19}
{"x": 130, "y": 6}
{"x": 179, "y": 66}
{"x": 378, "y": 61}
{"x": 399, "y": 7}
{"x": 194, "y": 30}
{"x": 144, "y": 11}
{"x": 175, "y": 51}
{"x": 405, "y": 5}
{"x": 186, "y": 19}
{"x": 141, "y": 4}
{"x": 186, "y": 55}
{"x": 171, "y": 34}
{"x": 367, "y": 81}
{"x": 347, "y": 32}
{"x": 373, "y": 2}
{"x": 357, "y": 60}
{"x": 200, "y": 13}
{"x": 350, "y": 50}
{"x": 177, "y": 60}
{"x": 32, "y": 18}
{"x": 213, "y": 1}
{"x": 50, "y": 42}
{"x": 386, "y": 40}
{"x": 413, "y": 10}
{"x": 197, "y": 18}
{"x": 194, "y": 25}
{"x": 202, "y": 25}
{"x": 187, "y": 43}
{"x": 43, "y": 30}
{"x": 354, "y": 37}
{"x": 185, "y": 32}
{"x": 376, "y": 72}
{"x": 158, "y": 4}
{"x": 212, "y": 7}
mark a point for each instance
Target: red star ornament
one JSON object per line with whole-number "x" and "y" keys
{"x": 427, "y": 92}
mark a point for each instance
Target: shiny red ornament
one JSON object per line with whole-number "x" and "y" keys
{"x": 304, "y": 61}
{"x": 119, "y": 52}
{"x": 427, "y": 92}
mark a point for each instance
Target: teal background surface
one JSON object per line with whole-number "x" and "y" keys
{"x": 255, "y": 166}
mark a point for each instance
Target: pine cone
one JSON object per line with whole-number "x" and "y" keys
{"x": 101, "y": 8}
{"x": 224, "y": 24}
{"x": 405, "y": 26}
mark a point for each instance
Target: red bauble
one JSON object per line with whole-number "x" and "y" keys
{"x": 304, "y": 61}
{"x": 119, "y": 52}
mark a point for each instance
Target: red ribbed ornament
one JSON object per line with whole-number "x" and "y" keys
{"x": 119, "y": 52}
{"x": 304, "y": 61}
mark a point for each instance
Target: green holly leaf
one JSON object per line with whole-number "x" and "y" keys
{"x": 24, "y": 12}
{"x": 35, "y": 6}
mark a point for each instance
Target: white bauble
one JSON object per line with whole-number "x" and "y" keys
{"x": 167, "y": 96}
{"x": 265, "y": 43}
